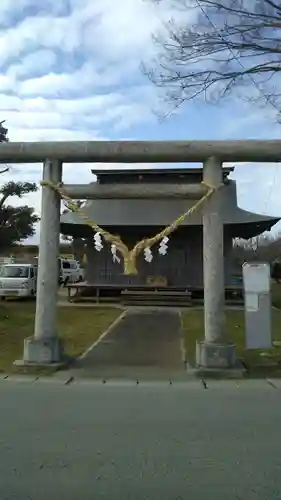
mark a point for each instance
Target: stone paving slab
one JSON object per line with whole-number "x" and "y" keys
{"x": 145, "y": 344}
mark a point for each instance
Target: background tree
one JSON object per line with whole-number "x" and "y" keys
{"x": 65, "y": 237}
{"x": 3, "y": 138}
{"x": 225, "y": 45}
{"x": 77, "y": 245}
{"x": 263, "y": 248}
{"x": 16, "y": 223}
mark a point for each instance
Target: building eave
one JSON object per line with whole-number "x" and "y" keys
{"x": 155, "y": 170}
{"x": 144, "y": 213}
{"x": 153, "y": 175}
{"x": 246, "y": 230}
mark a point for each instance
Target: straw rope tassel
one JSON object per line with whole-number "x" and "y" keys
{"x": 130, "y": 256}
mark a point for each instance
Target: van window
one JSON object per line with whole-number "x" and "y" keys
{"x": 14, "y": 271}
{"x": 66, "y": 264}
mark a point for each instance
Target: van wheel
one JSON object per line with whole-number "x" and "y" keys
{"x": 3, "y": 298}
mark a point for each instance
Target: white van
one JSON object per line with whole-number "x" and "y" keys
{"x": 70, "y": 271}
{"x": 18, "y": 280}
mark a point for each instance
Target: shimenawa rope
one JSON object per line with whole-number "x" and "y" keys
{"x": 130, "y": 256}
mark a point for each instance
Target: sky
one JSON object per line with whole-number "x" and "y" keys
{"x": 70, "y": 70}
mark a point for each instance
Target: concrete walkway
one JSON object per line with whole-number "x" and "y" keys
{"x": 143, "y": 345}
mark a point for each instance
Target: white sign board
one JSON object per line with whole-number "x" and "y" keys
{"x": 252, "y": 302}
{"x": 256, "y": 277}
{"x": 258, "y": 338}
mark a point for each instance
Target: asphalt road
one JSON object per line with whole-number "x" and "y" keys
{"x": 89, "y": 440}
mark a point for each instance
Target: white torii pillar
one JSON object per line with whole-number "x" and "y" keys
{"x": 45, "y": 346}
{"x": 215, "y": 352}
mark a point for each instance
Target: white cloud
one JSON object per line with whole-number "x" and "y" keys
{"x": 9, "y": 10}
{"x": 40, "y": 61}
{"x": 61, "y": 54}
{"x": 48, "y": 32}
{"x": 60, "y": 84}
{"x": 45, "y": 92}
{"x": 105, "y": 26}
{"x": 6, "y": 83}
{"x": 52, "y": 134}
{"x": 130, "y": 24}
{"x": 79, "y": 115}
{"x": 70, "y": 71}
{"x": 252, "y": 120}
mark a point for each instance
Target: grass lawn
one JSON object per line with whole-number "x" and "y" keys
{"x": 258, "y": 362}
{"x": 78, "y": 326}
{"x": 193, "y": 329}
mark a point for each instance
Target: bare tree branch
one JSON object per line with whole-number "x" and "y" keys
{"x": 234, "y": 45}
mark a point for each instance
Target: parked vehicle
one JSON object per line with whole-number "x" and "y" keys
{"x": 18, "y": 280}
{"x": 70, "y": 271}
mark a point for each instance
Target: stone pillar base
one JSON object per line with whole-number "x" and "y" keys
{"x": 210, "y": 355}
{"x": 47, "y": 352}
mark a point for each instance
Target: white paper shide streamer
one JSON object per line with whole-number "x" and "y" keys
{"x": 115, "y": 257}
{"x": 98, "y": 242}
{"x": 148, "y": 255}
{"x": 163, "y": 247}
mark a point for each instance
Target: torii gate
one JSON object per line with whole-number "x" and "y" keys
{"x": 215, "y": 351}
